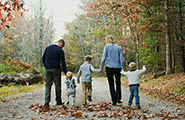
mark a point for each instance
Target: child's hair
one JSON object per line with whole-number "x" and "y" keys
{"x": 132, "y": 65}
{"x": 69, "y": 74}
{"x": 88, "y": 58}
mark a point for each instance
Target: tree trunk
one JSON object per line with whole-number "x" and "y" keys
{"x": 40, "y": 34}
{"x": 181, "y": 33}
{"x": 168, "y": 40}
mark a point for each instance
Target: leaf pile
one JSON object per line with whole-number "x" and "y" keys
{"x": 170, "y": 88}
{"x": 102, "y": 110}
{"x": 160, "y": 93}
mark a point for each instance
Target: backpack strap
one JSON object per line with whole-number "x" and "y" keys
{"x": 71, "y": 85}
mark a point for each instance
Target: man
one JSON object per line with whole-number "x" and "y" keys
{"x": 53, "y": 57}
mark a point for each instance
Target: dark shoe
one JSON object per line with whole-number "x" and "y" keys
{"x": 138, "y": 107}
{"x": 61, "y": 103}
{"x": 46, "y": 105}
{"x": 67, "y": 102}
{"x": 89, "y": 98}
{"x": 84, "y": 105}
{"x": 120, "y": 102}
{"x": 114, "y": 104}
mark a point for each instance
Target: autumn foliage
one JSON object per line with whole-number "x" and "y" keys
{"x": 6, "y": 9}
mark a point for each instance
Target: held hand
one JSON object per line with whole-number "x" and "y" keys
{"x": 101, "y": 71}
{"x": 78, "y": 82}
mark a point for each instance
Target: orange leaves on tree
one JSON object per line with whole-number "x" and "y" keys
{"x": 5, "y": 11}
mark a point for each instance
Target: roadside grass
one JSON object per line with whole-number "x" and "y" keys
{"x": 11, "y": 91}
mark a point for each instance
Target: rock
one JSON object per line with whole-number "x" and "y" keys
{"x": 157, "y": 75}
{"x": 20, "y": 78}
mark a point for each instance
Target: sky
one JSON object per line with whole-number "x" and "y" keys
{"x": 62, "y": 11}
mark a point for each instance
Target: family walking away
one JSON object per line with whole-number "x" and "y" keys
{"x": 71, "y": 88}
{"x": 113, "y": 56}
{"x": 86, "y": 79}
{"x": 134, "y": 80}
{"x": 52, "y": 58}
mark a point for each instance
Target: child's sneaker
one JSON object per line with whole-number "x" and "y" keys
{"x": 138, "y": 107}
{"x": 89, "y": 98}
{"x": 84, "y": 105}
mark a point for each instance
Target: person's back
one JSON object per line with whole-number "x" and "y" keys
{"x": 70, "y": 83}
{"x": 134, "y": 75}
{"x": 85, "y": 71}
{"x": 113, "y": 56}
{"x": 52, "y": 57}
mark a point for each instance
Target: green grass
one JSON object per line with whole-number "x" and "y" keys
{"x": 13, "y": 90}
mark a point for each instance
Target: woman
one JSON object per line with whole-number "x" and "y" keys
{"x": 113, "y": 56}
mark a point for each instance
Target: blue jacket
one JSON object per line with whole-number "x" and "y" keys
{"x": 85, "y": 69}
{"x": 53, "y": 56}
{"x": 114, "y": 56}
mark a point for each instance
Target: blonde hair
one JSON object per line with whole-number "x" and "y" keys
{"x": 132, "y": 65}
{"x": 109, "y": 39}
{"x": 69, "y": 74}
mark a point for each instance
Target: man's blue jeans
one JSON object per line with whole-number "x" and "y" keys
{"x": 53, "y": 75}
{"x": 134, "y": 92}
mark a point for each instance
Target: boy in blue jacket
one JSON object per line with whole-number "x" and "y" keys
{"x": 85, "y": 70}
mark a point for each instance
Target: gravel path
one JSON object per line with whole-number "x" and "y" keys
{"x": 19, "y": 108}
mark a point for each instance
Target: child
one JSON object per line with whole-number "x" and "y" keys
{"x": 86, "y": 78}
{"x": 70, "y": 84}
{"x": 133, "y": 79}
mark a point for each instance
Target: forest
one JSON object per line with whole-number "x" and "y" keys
{"x": 150, "y": 32}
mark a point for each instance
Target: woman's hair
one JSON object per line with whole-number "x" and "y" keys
{"x": 109, "y": 39}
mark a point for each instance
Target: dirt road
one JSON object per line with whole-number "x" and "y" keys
{"x": 99, "y": 108}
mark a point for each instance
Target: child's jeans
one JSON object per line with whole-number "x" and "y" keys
{"x": 134, "y": 92}
{"x": 86, "y": 86}
{"x": 72, "y": 92}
